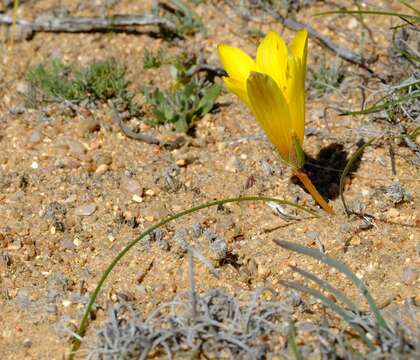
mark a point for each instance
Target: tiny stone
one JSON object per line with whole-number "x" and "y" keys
{"x": 409, "y": 275}
{"x": 133, "y": 186}
{"x": 397, "y": 194}
{"x": 27, "y": 343}
{"x": 181, "y": 162}
{"x": 72, "y": 198}
{"x": 103, "y": 158}
{"x": 217, "y": 243}
{"x": 85, "y": 210}
{"x": 393, "y": 213}
{"x": 355, "y": 240}
{"x": 353, "y": 23}
{"x": 66, "y": 303}
{"x": 88, "y": 125}
{"x": 36, "y": 137}
{"x": 136, "y": 198}
{"x": 77, "y": 242}
{"x": 232, "y": 164}
{"x": 101, "y": 169}
{"x": 150, "y": 192}
{"x": 345, "y": 228}
{"x": 76, "y": 148}
{"x": 180, "y": 241}
{"x": 197, "y": 230}
{"x": 18, "y": 110}
{"x": 22, "y": 88}
{"x": 312, "y": 235}
{"x": 22, "y": 298}
{"x": 34, "y": 165}
{"x": 68, "y": 245}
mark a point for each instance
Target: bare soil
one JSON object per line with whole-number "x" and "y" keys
{"x": 59, "y": 161}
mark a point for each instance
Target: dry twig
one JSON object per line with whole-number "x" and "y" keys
{"x": 75, "y": 24}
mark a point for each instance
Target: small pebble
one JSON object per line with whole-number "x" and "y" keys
{"x": 181, "y": 162}
{"x": 66, "y": 303}
{"x": 27, "y": 343}
{"x": 345, "y": 228}
{"x": 34, "y": 165}
{"x": 72, "y": 198}
{"x": 68, "y": 244}
{"x": 88, "y": 125}
{"x": 233, "y": 164}
{"x": 217, "y": 243}
{"x": 101, "y": 169}
{"x": 22, "y": 88}
{"x": 133, "y": 186}
{"x": 409, "y": 275}
{"x": 312, "y": 235}
{"x": 150, "y": 192}
{"x": 76, "y": 148}
{"x": 137, "y": 198}
{"x": 35, "y": 137}
{"x": 85, "y": 210}
{"x": 393, "y": 213}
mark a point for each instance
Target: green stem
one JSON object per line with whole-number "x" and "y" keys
{"x": 84, "y": 322}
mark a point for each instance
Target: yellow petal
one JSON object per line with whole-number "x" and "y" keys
{"x": 271, "y": 110}
{"x": 236, "y": 62}
{"x": 272, "y": 58}
{"x": 299, "y": 48}
{"x": 238, "y": 88}
{"x": 296, "y": 97}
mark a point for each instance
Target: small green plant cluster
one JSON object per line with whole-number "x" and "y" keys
{"x": 186, "y": 21}
{"x": 182, "y": 105}
{"x": 326, "y": 77}
{"x": 188, "y": 98}
{"x": 99, "y": 81}
{"x": 153, "y": 60}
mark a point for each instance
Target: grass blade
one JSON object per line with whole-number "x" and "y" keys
{"x": 291, "y": 340}
{"x": 383, "y": 106}
{"x": 340, "y": 267}
{"x": 369, "y": 12}
{"x": 332, "y": 305}
{"x": 346, "y": 170}
{"x": 327, "y": 287}
{"x": 410, "y": 6}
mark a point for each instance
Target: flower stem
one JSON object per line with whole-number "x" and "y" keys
{"x": 313, "y": 191}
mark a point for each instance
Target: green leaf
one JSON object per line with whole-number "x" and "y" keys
{"x": 207, "y": 101}
{"x": 344, "y": 269}
{"x": 332, "y": 305}
{"x": 346, "y": 170}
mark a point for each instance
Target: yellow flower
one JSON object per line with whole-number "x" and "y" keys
{"x": 273, "y": 87}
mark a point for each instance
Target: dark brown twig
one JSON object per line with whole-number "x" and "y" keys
{"x": 342, "y": 52}
{"x": 74, "y": 24}
{"x": 130, "y": 133}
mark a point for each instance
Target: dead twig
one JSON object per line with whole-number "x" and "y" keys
{"x": 75, "y": 24}
{"x": 341, "y": 51}
{"x": 130, "y": 133}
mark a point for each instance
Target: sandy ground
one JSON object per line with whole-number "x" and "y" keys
{"x": 74, "y": 189}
